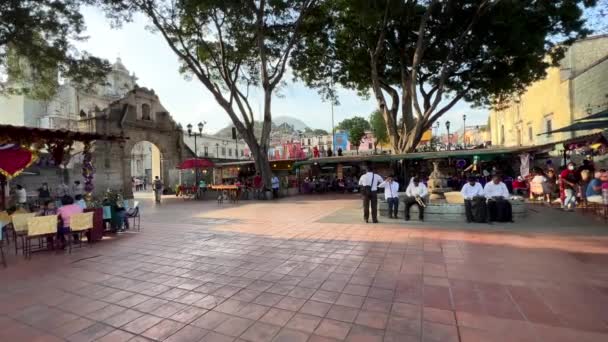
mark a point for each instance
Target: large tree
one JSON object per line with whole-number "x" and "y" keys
{"x": 35, "y": 47}
{"x": 420, "y": 58}
{"x": 231, "y": 47}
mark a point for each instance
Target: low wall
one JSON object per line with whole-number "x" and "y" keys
{"x": 444, "y": 212}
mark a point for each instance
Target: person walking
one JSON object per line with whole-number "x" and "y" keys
{"x": 391, "y": 195}
{"x": 257, "y": 186}
{"x": 369, "y": 190}
{"x": 158, "y": 189}
{"x": 569, "y": 180}
{"x": 416, "y": 192}
{"x": 276, "y": 184}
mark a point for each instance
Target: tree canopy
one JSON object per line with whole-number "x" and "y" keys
{"x": 35, "y": 47}
{"x": 378, "y": 127}
{"x": 231, "y": 47}
{"x": 420, "y": 58}
{"x": 356, "y": 127}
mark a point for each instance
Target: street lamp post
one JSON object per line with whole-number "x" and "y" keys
{"x": 435, "y": 134}
{"x": 200, "y": 125}
{"x": 464, "y": 130}
{"x": 447, "y": 126}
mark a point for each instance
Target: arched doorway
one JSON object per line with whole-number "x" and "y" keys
{"x": 145, "y": 165}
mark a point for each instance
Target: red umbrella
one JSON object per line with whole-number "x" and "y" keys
{"x": 195, "y": 164}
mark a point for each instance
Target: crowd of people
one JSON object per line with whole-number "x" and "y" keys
{"x": 573, "y": 186}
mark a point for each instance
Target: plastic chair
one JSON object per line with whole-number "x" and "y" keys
{"x": 20, "y": 228}
{"x": 5, "y": 219}
{"x": 39, "y": 227}
{"x": 80, "y": 224}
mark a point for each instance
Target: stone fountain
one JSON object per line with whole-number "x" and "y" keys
{"x": 437, "y": 184}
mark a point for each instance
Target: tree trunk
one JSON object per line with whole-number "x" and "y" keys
{"x": 262, "y": 166}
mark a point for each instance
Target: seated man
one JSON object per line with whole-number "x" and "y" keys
{"x": 594, "y": 188}
{"x": 474, "y": 202}
{"x": 499, "y": 208}
{"x": 415, "y": 192}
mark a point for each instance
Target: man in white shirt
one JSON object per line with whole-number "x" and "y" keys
{"x": 391, "y": 195}
{"x": 474, "y": 202}
{"x": 499, "y": 208}
{"x": 21, "y": 195}
{"x": 368, "y": 184}
{"x": 415, "y": 192}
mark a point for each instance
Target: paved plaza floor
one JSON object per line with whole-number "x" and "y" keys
{"x": 308, "y": 269}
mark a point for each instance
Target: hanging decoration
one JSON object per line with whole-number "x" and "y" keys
{"x": 88, "y": 170}
{"x": 14, "y": 159}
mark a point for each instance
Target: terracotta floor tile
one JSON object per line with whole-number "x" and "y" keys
{"x": 116, "y": 336}
{"x": 72, "y": 327}
{"x": 91, "y": 333}
{"x": 406, "y": 310}
{"x": 234, "y": 326}
{"x": 403, "y": 325}
{"x": 290, "y": 303}
{"x": 210, "y": 320}
{"x": 303, "y": 322}
{"x": 188, "y": 333}
{"x": 268, "y": 299}
{"x": 439, "y": 316}
{"x": 260, "y": 332}
{"x": 315, "y": 308}
{"x": 437, "y": 332}
{"x": 188, "y": 314}
{"x": 372, "y": 319}
{"x": 217, "y": 337}
{"x": 343, "y": 313}
{"x": 163, "y": 330}
{"x": 365, "y": 334}
{"x": 141, "y": 324}
{"x": 288, "y": 335}
{"x": 332, "y": 328}
{"x": 325, "y": 296}
{"x": 277, "y": 316}
{"x": 122, "y": 318}
{"x": 357, "y": 290}
{"x": 350, "y": 300}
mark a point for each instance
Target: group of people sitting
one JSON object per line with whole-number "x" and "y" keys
{"x": 482, "y": 204}
{"x": 574, "y": 185}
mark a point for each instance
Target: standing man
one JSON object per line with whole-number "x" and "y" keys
{"x": 369, "y": 189}
{"x": 21, "y": 196}
{"x": 415, "y": 192}
{"x": 499, "y": 207}
{"x": 257, "y": 185}
{"x": 474, "y": 202}
{"x": 158, "y": 189}
{"x": 77, "y": 189}
{"x": 391, "y": 195}
{"x": 276, "y": 184}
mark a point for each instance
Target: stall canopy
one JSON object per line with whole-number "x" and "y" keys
{"x": 482, "y": 154}
{"x": 195, "y": 163}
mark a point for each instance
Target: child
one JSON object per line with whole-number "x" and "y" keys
{"x": 80, "y": 201}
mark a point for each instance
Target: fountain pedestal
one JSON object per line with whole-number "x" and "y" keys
{"x": 437, "y": 184}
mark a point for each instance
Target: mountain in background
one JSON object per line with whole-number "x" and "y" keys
{"x": 286, "y": 124}
{"x": 297, "y": 124}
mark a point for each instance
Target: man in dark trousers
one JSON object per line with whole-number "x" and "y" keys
{"x": 474, "y": 201}
{"x": 368, "y": 183}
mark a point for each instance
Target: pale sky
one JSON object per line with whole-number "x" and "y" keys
{"x": 156, "y": 66}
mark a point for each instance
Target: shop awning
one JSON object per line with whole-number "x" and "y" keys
{"x": 195, "y": 163}
{"x": 581, "y": 126}
{"x": 600, "y": 115}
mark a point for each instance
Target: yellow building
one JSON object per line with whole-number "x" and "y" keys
{"x": 574, "y": 90}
